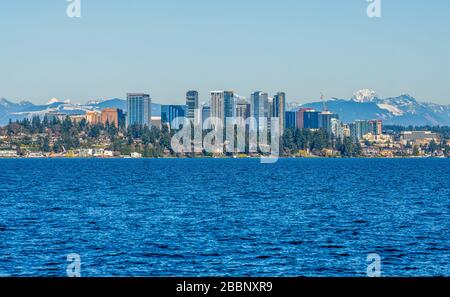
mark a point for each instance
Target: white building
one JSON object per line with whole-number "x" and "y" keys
{"x": 108, "y": 154}
{"x": 337, "y": 129}
{"x": 136, "y": 155}
{"x": 8, "y": 154}
{"x": 86, "y": 153}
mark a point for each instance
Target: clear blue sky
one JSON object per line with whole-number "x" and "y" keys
{"x": 166, "y": 47}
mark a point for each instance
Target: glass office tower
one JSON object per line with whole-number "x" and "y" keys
{"x": 139, "y": 109}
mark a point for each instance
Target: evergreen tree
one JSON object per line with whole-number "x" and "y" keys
{"x": 45, "y": 147}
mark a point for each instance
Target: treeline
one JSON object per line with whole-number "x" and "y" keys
{"x": 295, "y": 140}
{"x": 150, "y": 142}
{"x": 444, "y": 131}
{"x": 58, "y": 136}
{"x": 55, "y": 135}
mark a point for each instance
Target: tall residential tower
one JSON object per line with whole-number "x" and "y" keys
{"x": 192, "y": 108}
{"x": 222, "y": 107}
{"x": 259, "y": 105}
{"x": 279, "y": 109}
{"x": 139, "y": 109}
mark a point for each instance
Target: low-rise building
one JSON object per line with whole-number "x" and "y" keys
{"x": 36, "y": 155}
{"x": 136, "y": 155}
{"x": 8, "y": 154}
{"x": 387, "y": 153}
{"x": 157, "y": 122}
{"x": 108, "y": 154}
{"x": 86, "y": 153}
{"x": 53, "y": 115}
{"x": 380, "y": 139}
{"x": 112, "y": 116}
{"x": 93, "y": 117}
{"x": 418, "y": 137}
{"x": 370, "y": 151}
{"x": 77, "y": 118}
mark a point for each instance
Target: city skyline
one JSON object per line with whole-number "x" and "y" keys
{"x": 204, "y": 98}
{"x": 224, "y": 147}
{"x": 364, "y": 104}
{"x": 300, "y": 47}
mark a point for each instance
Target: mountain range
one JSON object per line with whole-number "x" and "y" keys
{"x": 364, "y": 105}
{"x": 18, "y": 111}
{"x": 402, "y": 110}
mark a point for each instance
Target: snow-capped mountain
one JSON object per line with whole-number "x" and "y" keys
{"x": 401, "y": 110}
{"x": 364, "y": 96}
{"x": 364, "y": 105}
{"x": 18, "y": 111}
{"x": 56, "y": 100}
{"x": 405, "y": 108}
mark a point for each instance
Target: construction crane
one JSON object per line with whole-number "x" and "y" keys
{"x": 324, "y": 102}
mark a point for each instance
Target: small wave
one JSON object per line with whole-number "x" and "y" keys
{"x": 331, "y": 246}
{"x": 298, "y": 242}
{"x": 263, "y": 257}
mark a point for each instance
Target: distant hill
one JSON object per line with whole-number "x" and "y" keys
{"x": 19, "y": 111}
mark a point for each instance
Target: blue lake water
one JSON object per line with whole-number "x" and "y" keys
{"x": 225, "y": 217}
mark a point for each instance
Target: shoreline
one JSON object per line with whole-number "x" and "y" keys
{"x": 232, "y": 158}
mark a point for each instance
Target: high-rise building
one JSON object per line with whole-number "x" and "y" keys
{"x": 353, "y": 133}
{"x": 290, "y": 120}
{"x": 325, "y": 118}
{"x": 337, "y": 129}
{"x": 279, "y": 109}
{"x": 222, "y": 107}
{"x": 376, "y": 127}
{"x": 192, "y": 105}
{"x": 359, "y": 128}
{"x": 173, "y": 115}
{"x": 113, "y": 116}
{"x": 346, "y": 130}
{"x": 259, "y": 106}
{"x": 310, "y": 119}
{"x": 139, "y": 109}
{"x": 269, "y": 117}
{"x": 242, "y": 110}
{"x": 206, "y": 114}
{"x": 300, "y": 117}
